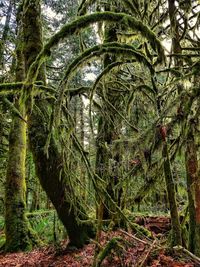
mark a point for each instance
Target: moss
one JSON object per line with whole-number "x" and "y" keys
{"x": 16, "y": 87}
{"x": 112, "y": 48}
{"x": 171, "y": 193}
{"x": 19, "y": 235}
{"x": 17, "y": 230}
{"x": 15, "y": 111}
{"x": 83, "y": 22}
{"x": 132, "y": 6}
{"x": 112, "y": 244}
{"x": 142, "y": 231}
{"x": 107, "y": 48}
{"x": 10, "y": 88}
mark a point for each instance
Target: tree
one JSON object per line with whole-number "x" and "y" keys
{"x": 178, "y": 35}
{"x": 49, "y": 165}
{"x": 19, "y": 236}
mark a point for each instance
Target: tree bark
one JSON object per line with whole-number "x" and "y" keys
{"x": 109, "y": 127}
{"x": 193, "y": 185}
{"x": 19, "y": 235}
{"x": 49, "y": 166}
{"x": 171, "y": 193}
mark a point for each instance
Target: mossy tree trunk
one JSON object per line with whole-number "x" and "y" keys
{"x": 193, "y": 182}
{"x": 109, "y": 127}
{"x": 50, "y": 171}
{"x": 171, "y": 193}
{"x": 178, "y": 62}
{"x": 19, "y": 235}
{"x": 193, "y": 186}
{"x": 82, "y": 139}
{"x": 49, "y": 166}
{"x": 35, "y": 202}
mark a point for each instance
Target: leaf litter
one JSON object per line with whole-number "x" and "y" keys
{"x": 131, "y": 252}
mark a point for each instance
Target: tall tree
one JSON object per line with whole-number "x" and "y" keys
{"x": 19, "y": 236}
{"x": 49, "y": 165}
{"x": 179, "y": 34}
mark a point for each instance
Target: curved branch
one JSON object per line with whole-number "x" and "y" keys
{"x": 98, "y": 50}
{"x": 84, "y": 21}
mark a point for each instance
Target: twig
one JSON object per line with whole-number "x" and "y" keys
{"x": 134, "y": 237}
{"x": 100, "y": 247}
{"x": 187, "y": 252}
{"x": 147, "y": 254}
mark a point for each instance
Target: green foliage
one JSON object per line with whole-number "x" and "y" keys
{"x": 47, "y": 225}
{"x": 44, "y": 223}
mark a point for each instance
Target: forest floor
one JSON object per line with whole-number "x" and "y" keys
{"x": 129, "y": 251}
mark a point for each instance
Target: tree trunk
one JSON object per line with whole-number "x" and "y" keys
{"x": 193, "y": 184}
{"x": 35, "y": 203}
{"x": 108, "y": 131}
{"x": 19, "y": 236}
{"x": 82, "y": 140}
{"x": 178, "y": 62}
{"x": 53, "y": 179}
{"x": 171, "y": 193}
{"x": 49, "y": 167}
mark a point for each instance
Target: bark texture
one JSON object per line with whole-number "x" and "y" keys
{"x": 171, "y": 193}
{"x": 49, "y": 166}
{"x": 19, "y": 235}
{"x": 193, "y": 183}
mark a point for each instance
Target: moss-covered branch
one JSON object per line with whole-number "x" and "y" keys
{"x": 98, "y": 50}
{"x": 112, "y": 244}
{"x": 17, "y": 87}
{"x": 79, "y": 90}
{"x": 105, "y": 72}
{"x": 12, "y": 108}
{"x": 10, "y": 88}
{"x": 84, "y": 21}
{"x": 112, "y": 48}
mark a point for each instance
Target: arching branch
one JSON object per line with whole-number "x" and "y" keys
{"x": 84, "y": 21}
{"x": 98, "y": 50}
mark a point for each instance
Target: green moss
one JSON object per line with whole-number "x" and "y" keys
{"x": 17, "y": 229}
{"x": 176, "y": 238}
{"x": 110, "y": 47}
{"x": 113, "y": 48}
{"x": 10, "y": 88}
{"x": 83, "y": 22}
{"x": 112, "y": 244}
{"x": 142, "y": 231}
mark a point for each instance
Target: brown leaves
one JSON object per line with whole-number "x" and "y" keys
{"x": 132, "y": 253}
{"x": 168, "y": 261}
